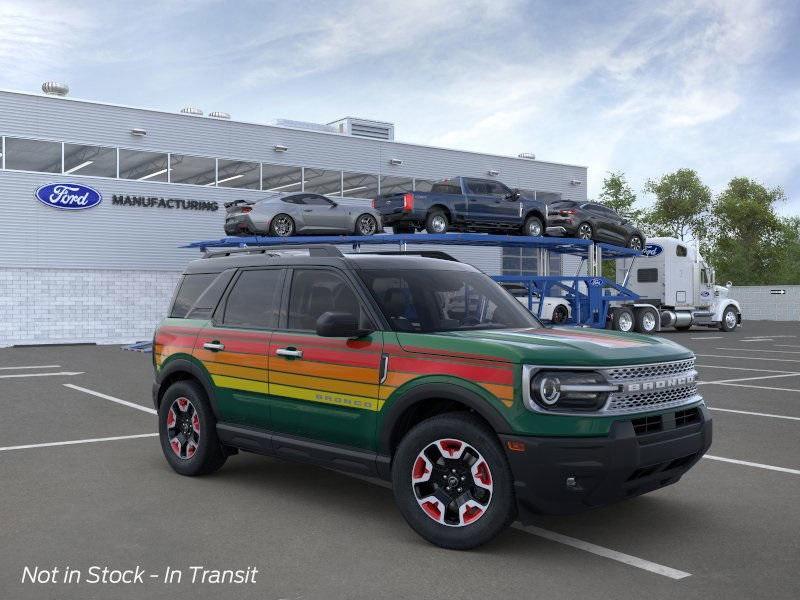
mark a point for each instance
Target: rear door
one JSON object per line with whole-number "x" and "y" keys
{"x": 480, "y": 201}
{"x": 234, "y": 347}
{"x": 325, "y": 389}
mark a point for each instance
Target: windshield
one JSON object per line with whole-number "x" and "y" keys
{"x": 426, "y": 301}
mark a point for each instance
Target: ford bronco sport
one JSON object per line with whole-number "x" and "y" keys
{"x": 422, "y": 371}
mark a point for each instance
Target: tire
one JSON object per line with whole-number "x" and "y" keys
{"x": 474, "y": 522}
{"x": 533, "y": 227}
{"x": 623, "y": 320}
{"x": 560, "y": 314}
{"x": 366, "y": 225}
{"x": 646, "y": 321}
{"x": 585, "y": 231}
{"x": 282, "y": 225}
{"x": 399, "y": 229}
{"x": 635, "y": 242}
{"x": 201, "y": 452}
{"x": 730, "y": 319}
{"x": 436, "y": 221}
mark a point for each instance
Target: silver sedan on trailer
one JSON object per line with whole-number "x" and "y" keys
{"x": 301, "y": 213}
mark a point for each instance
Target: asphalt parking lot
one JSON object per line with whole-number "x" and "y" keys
{"x": 729, "y": 529}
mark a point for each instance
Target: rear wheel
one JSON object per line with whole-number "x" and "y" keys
{"x": 622, "y": 320}
{"x": 281, "y": 226}
{"x": 729, "y": 319}
{"x": 560, "y": 314}
{"x": 646, "y": 320}
{"x": 188, "y": 430}
{"x": 436, "y": 222}
{"x": 366, "y": 224}
{"x": 533, "y": 227}
{"x": 585, "y": 231}
{"x": 452, "y": 482}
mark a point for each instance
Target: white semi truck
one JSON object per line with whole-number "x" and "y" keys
{"x": 676, "y": 289}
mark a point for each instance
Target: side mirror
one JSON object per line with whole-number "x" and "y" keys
{"x": 514, "y": 195}
{"x": 729, "y": 284}
{"x": 340, "y": 324}
{"x": 334, "y": 204}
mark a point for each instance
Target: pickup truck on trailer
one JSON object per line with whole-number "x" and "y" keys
{"x": 424, "y": 372}
{"x": 464, "y": 204}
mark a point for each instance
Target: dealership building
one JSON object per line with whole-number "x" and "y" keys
{"x": 106, "y": 273}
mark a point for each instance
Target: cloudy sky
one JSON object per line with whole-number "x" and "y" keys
{"x": 642, "y": 87}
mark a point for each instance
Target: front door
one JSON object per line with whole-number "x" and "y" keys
{"x": 234, "y": 347}
{"x": 322, "y": 388}
{"x": 324, "y": 215}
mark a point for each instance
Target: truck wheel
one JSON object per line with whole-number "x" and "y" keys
{"x": 436, "y": 222}
{"x": 452, "y": 482}
{"x": 560, "y": 314}
{"x": 623, "y": 320}
{"x": 646, "y": 320}
{"x": 533, "y": 227}
{"x": 281, "y": 226}
{"x": 585, "y": 231}
{"x": 188, "y": 430}
{"x": 398, "y": 229}
{"x": 729, "y": 319}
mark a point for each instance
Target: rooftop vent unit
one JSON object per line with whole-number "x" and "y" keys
{"x": 527, "y": 155}
{"x": 192, "y": 110}
{"x": 303, "y": 125}
{"x": 219, "y": 115}
{"x": 375, "y": 130}
{"x": 53, "y": 88}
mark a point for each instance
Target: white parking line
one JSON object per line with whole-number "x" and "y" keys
{"x": 111, "y": 398}
{"x": 707, "y": 337}
{"x": 759, "y": 350}
{"x": 17, "y": 375}
{"x": 749, "y": 358}
{"x": 745, "y": 369}
{"x": 30, "y": 367}
{"x": 759, "y": 387}
{"x": 755, "y": 414}
{"x": 633, "y": 561}
{"x": 740, "y": 379}
{"x": 753, "y": 464}
{"x": 787, "y": 346}
{"x": 73, "y": 442}
{"x": 756, "y": 340}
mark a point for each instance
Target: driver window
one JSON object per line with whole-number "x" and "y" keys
{"x": 317, "y": 291}
{"x": 704, "y": 276}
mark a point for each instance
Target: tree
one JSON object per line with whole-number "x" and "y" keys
{"x": 751, "y": 244}
{"x": 618, "y": 196}
{"x": 681, "y": 206}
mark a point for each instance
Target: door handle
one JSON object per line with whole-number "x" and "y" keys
{"x": 214, "y": 346}
{"x": 289, "y": 352}
{"x": 307, "y": 210}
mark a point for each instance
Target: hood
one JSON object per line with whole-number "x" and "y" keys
{"x": 556, "y": 346}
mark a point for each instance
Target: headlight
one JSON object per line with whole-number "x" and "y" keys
{"x": 570, "y": 390}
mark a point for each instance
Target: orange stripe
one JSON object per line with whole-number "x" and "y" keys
{"x": 319, "y": 383}
{"x": 256, "y": 361}
{"x": 315, "y": 369}
{"x": 505, "y": 393}
{"x": 234, "y": 371}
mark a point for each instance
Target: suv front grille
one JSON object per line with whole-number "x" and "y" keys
{"x": 651, "y": 387}
{"x": 626, "y": 374}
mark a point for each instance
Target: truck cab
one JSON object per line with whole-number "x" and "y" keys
{"x": 673, "y": 277}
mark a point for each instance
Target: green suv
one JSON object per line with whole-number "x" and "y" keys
{"x": 422, "y": 371}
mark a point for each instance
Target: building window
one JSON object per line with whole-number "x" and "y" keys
{"x": 279, "y": 178}
{"x": 238, "y": 174}
{"x": 33, "y": 155}
{"x": 525, "y": 261}
{"x": 196, "y": 170}
{"x": 90, "y": 160}
{"x": 321, "y": 181}
{"x": 359, "y": 185}
{"x": 396, "y": 185}
{"x": 143, "y": 166}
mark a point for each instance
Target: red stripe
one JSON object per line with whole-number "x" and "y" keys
{"x": 235, "y": 345}
{"x": 471, "y": 372}
{"x": 175, "y": 340}
{"x": 454, "y": 354}
{"x": 299, "y": 339}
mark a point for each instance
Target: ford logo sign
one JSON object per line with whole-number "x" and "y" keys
{"x": 595, "y": 282}
{"x": 652, "y": 250}
{"x": 68, "y": 196}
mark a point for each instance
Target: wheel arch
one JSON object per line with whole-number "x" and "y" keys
{"x": 183, "y": 369}
{"x": 445, "y": 209}
{"x": 535, "y": 212}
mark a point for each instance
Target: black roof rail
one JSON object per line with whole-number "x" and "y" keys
{"x": 424, "y": 253}
{"x": 313, "y": 250}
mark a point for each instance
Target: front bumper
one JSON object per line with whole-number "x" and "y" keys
{"x": 604, "y": 470}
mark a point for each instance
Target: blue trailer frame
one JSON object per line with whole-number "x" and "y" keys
{"x": 589, "y": 296}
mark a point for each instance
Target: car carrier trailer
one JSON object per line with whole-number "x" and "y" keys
{"x": 594, "y": 300}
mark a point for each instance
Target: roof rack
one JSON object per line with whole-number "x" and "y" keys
{"x": 424, "y": 253}
{"x": 312, "y": 250}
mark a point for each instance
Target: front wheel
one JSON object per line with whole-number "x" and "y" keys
{"x": 533, "y": 227}
{"x": 436, "y": 222}
{"x": 635, "y": 243}
{"x": 729, "y": 319}
{"x": 560, "y": 314}
{"x": 585, "y": 231}
{"x": 452, "y": 482}
{"x": 366, "y": 224}
{"x": 188, "y": 430}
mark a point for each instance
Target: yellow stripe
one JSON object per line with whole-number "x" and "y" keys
{"x": 234, "y": 371}
{"x": 332, "y": 385}
{"x": 240, "y": 384}
{"x": 326, "y": 397}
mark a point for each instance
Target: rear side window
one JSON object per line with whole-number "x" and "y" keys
{"x": 446, "y": 187}
{"x": 189, "y": 291}
{"x": 647, "y": 275}
{"x": 252, "y": 303}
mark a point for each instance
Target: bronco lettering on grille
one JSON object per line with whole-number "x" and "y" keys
{"x": 660, "y": 384}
